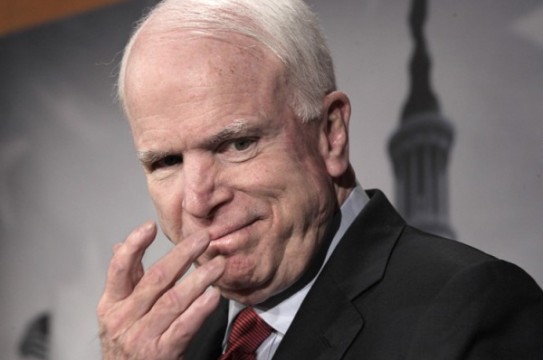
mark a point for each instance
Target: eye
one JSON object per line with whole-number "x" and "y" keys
{"x": 167, "y": 161}
{"x": 239, "y": 150}
{"x": 242, "y": 144}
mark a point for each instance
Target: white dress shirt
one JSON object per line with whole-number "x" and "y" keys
{"x": 280, "y": 316}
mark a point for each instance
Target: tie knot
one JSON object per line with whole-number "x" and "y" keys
{"x": 247, "y": 333}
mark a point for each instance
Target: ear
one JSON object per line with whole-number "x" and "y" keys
{"x": 334, "y": 133}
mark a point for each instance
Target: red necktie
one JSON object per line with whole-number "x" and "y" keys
{"x": 248, "y": 332}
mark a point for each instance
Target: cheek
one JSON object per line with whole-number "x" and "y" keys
{"x": 242, "y": 266}
{"x": 263, "y": 256}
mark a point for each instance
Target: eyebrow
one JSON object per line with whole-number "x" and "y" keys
{"x": 146, "y": 158}
{"x": 235, "y": 129}
{"x": 231, "y": 131}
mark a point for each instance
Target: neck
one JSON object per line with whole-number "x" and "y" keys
{"x": 344, "y": 185}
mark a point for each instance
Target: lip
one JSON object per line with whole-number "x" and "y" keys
{"x": 224, "y": 231}
{"x": 225, "y": 239}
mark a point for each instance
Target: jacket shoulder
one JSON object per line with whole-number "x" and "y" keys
{"x": 442, "y": 299}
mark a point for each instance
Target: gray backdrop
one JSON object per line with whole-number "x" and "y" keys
{"x": 70, "y": 186}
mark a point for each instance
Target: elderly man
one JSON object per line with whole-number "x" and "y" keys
{"x": 244, "y": 141}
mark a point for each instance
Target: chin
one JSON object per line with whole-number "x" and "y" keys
{"x": 243, "y": 289}
{"x": 247, "y": 297}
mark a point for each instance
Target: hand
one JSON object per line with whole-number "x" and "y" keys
{"x": 149, "y": 315}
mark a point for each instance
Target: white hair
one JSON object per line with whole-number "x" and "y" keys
{"x": 286, "y": 27}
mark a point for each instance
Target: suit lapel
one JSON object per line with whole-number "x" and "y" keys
{"x": 325, "y": 314}
{"x": 328, "y": 320}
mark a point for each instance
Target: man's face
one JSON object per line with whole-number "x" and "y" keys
{"x": 224, "y": 153}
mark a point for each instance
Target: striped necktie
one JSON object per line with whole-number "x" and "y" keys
{"x": 247, "y": 333}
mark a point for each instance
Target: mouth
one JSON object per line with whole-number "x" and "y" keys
{"x": 219, "y": 232}
{"x": 226, "y": 239}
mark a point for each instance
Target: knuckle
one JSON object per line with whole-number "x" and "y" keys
{"x": 140, "y": 346}
{"x": 131, "y": 344}
{"x": 102, "y": 308}
{"x": 151, "y": 351}
{"x": 106, "y": 317}
{"x": 115, "y": 325}
{"x": 112, "y": 324}
{"x": 171, "y": 299}
{"x": 156, "y": 275}
{"x": 137, "y": 344}
{"x": 117, "y": 265}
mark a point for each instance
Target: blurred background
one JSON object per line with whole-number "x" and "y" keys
{"x": 71, "y": 187}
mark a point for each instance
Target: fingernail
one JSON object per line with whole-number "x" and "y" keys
{"x": 148, "y": 226}
{"x": 219, "y": 263}
{"x": 211, "y": 292}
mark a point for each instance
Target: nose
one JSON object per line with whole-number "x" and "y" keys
{"x": 202, "y": 194}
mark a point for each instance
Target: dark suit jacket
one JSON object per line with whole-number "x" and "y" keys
{"x": 392, "y": 292}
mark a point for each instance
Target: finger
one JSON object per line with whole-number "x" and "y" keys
{"x": 179, "y": 335}
{"x": 116, "y": 247}
{"x": 162, "y": 275}
{"x": 158, "y": 279}
{"x": 179, "y": 298}
{"x": 126, "y": 262}
{"x": 138, "y": 271}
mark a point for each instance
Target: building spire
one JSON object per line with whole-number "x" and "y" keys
{"x": 421, "y": 97}
{"x": 420, "y": 147}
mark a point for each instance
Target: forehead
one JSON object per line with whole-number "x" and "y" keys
{"x": 197, "y": 66}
